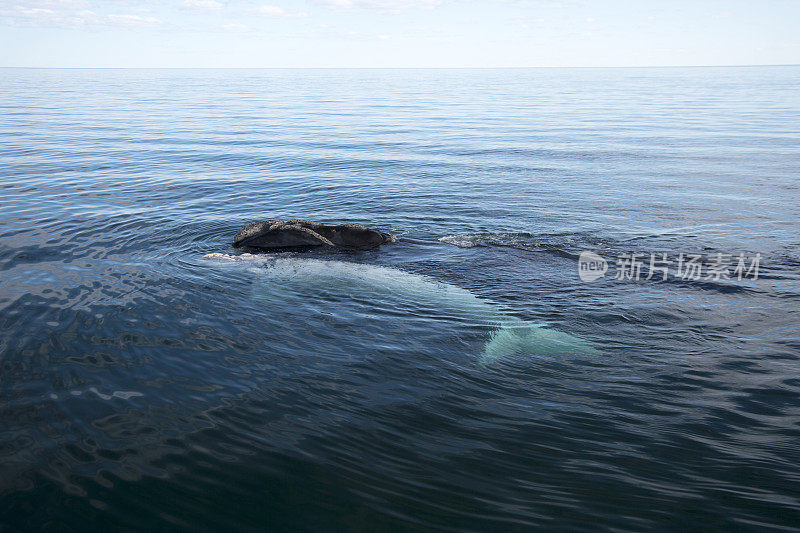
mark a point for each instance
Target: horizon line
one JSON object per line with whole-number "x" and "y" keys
{"x": 406, "y": 68}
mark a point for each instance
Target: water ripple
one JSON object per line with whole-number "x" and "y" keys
{"x": 143, "y": 387}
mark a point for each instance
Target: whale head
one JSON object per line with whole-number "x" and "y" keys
{"x": 275, "y": 235}
{"x": 355, "y": 236}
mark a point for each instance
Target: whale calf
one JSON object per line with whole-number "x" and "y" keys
{"x": 508, "y": 335}
{"x": 270, "y": 235}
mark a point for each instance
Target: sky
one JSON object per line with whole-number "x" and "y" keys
{"x": 397, "y": 33}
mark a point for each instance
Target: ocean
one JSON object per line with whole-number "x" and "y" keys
{"x": 652, "y": 215}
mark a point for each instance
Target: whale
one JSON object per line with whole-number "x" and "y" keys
{"x": 276, "y": 235}
{"x": 507, "y": 335}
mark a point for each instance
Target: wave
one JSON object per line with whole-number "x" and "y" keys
{"x": 519, "y": 240}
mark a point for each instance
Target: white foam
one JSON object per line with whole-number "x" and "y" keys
{"x": 125, "y": 395}
{"x": 462, "y": 241}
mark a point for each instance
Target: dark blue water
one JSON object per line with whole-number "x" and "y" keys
{"x": 142, "y": 386}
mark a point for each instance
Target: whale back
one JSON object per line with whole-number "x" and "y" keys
{"x": 294, "y": 277}
{"x": 276, "y": 234}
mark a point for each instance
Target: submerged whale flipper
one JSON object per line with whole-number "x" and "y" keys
{"x": 509, "y": 336}
{"x": 525, "y": 338}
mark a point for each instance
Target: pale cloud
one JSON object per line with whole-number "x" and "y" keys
{"x": 203, "y": 5}
{"x": 546, "y": 4}
{"x": 44, "y": 17}
{"x": 391, "y": 6}
{"x": 133, "y": 21}
{"x": 276, "y": 12}
{"x": 36, "y": 12}
{"x": 327, "y": 32}
{"x": 557, "y": 4}
{"x": 235, "y": 27}
{"x": 45, "y": 4}
{"x": 271, "y": 11}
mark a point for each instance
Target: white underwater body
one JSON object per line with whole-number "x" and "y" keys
{"x": 291, "y": 276}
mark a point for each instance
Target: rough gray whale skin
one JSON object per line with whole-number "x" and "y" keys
{"x": 301, "y": 234}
